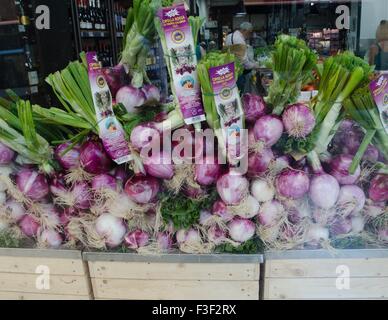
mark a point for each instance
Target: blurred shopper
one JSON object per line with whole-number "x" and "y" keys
{"x": 378, "y": 53}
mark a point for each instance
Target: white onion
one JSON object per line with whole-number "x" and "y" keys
{"x": 351, "y": 199}
{"x": 324, "y": 191}
{"x": 112, "y": 229}
{"x": 262, "y": 190}
{"x": 51, "y": 238}
{"x": 270, "y": 213}
{"x": 241, "y": 230}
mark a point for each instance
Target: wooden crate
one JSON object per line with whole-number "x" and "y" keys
{"x": 317, "y": 274}
{"x": 174, "y": 276}
{"x": 31, "y": 274}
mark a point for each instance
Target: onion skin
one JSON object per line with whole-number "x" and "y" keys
{"x": 258, "y": 162}
{"x": 6, "y": 154}
{"x": 292, "y": 184}
{"x": 69, "y": 160}
{"x": 339, "y": 169}
{"x": 142, "y": 190}
{"x": 268, "y": 129}
{"x": 159, "y": 165}
{"x": 254, "y": 107}
{"x": 94, "y": 159}
{"x": 208, "y": 172}
{"x": 136, "y": 239}
{"x": 241, "y": 230}
{"x": 104, "y": 181}
{"x": 188, "y": 236}
{"x": 371, "y": 154}
{"x": 324, "y": 191}
{"x": 29, "y": 226}
{"x": 32, "y": 184}
{"x": 298, "y": 120}
{"x": 378, "y": 190}
{"x": 232, "y": 188}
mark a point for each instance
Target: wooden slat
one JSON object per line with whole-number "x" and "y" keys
{"x": 36, "y": 296}
{"x": 323, "y": 268}
{"x": 29, "y": 265}
{"x": 174, "y": 271}
{"x": 16, "y": 282}
{"x": 175, "y": 289}
{"x": 325, "y": 288}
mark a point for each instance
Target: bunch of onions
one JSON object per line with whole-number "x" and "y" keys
{"x": 254, "y": 107}
{"x": 159, "y": 165}
{"x": 208, "y": 172}
{"x": 298, "y": 120}
{"x": 378, "y": 190}
{"x": 111, "y": 229}
{"x": 292, "y": 183}
{"x": 268, "y": 129}
{"x": 6, "y": 154}
{"x": 339, "y": 169}
{"x": 94, "y": 159}
{"x": 32, "y": 184}
{"x": 270, "y": 213}
{"x": 136, "y": 239}
{"x": 68, "y": 158}
{"x": 324, "y": 190}
{"x": 241, "y": 230}
{"x": 142, "y": 189}
{"x": 145, "y": 135}
{"x": 258, "y": 162}
{"x": 232, "y": 188}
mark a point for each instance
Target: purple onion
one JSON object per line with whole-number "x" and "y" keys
{"x": 144, "y": 135}
{"x": 164, "y": 241}
{"x": 351, "y": 198}
{"x": 111, "y": 229}
{"x": 15, "y": 210}
{"x": 378, "y": 190}
{"x": 142, "y": 189}
{"x": 232, "y": 188}
{"x": 270, "y": 212}
{"x": 340, "y": 226}
{"x": 194, "y": 192}
{"x": 32, "y": 184}
{"x": 292, "y": 183}
{"x": 298, "y": 120}
{"x": 324, "y": 190}
{"x": 131, "y": 98}
{"x": 152, "y": 94}
{"x": 268, "y": 129}
{"x": 29, "y": 226}
{"x": 371, "y": 154}
{"x": 51, "y": 238}
{"x": 216, "y": 235}
{"x": 241, "y": 230}
{"x": 159, "y": 165}
{"x": 221, "y": 209}
{"x": 258, "y": 162}
{"x": 339, "y": 169}
{"x": 6, "y": 154}
{"x": 82, "y": 196}
{"x": 207, "y": 172}
{"x": 136, "y": 239}
{"x": 70, "y": 159}
{"x": 94, "y": 159}
{"x": 254, "y": 107}
{"x": 104, "y": 181}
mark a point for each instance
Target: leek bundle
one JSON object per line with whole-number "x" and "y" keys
{"x": 362, "y": 108}
{"x": 292, "y": 65}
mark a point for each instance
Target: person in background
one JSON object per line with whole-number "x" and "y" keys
{"x": 378, "y": 52}
{"x": 237, "y": 42}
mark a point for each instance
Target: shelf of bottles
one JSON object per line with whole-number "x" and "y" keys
{"x": 19, "y": 49}
{"x": 94, "y": 29}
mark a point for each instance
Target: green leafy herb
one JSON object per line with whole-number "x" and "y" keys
{"x": 252, "y": 246}
{"x": 9, "y": 240}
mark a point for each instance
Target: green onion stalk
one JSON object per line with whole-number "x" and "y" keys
{"x": 175, "y": 119}
{"x": 292, "y": 64}
{"x": 18, "y": 132}
{"x": 340, "y": 77}
{"x": 362, "y": 108}
{"x": 138, "y": 36}
{"x": 211, "y": 60}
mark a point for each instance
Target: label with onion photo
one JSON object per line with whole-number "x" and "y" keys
{"x": 181, "y": 52}
{"x": 229, "y": 107}
{"x": 111, "y": 132}
{"x": 379, "y": 89}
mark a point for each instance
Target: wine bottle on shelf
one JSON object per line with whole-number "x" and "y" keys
{"x": 101, "y": 14}
{"x": 81, "y": 15}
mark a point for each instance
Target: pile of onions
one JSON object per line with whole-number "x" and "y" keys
{"x": 111, "y": 229}
{"x": 68, "y": 159}
{"x": 339, "y": 169}
{"x": 32, "y": 184}
{"x": 324, "y": 191}
{"x": 298, "y": 120}
{"x": 6, "y": 154}
{"x": 141, "y": 189}
{"x": 250, "y": 208}
{"x": 241, "y": 230}
{"x": 268, "y": 129}
{"x": 136, "y": 239}
{"x": 232, "y": 188}
{"x": 208, "y": 172}
{"x": 94, "y": 159}
{"x": 292, "y": 183}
